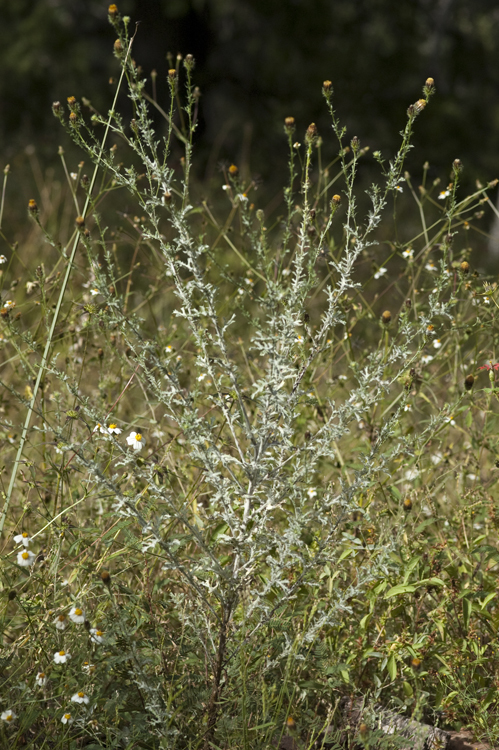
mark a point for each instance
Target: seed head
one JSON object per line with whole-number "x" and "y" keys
{"x": 465, "y": 266}
{"x": 386, "y": 317}
{"x": 468, "y": 382}
{"x": 408, "y": 304}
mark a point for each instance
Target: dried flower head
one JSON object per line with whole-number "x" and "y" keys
{"x": 80, "y": 222}
{"x": 468, "y": 382}
{"x": 312, "y": 133}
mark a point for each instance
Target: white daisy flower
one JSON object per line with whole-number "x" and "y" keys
{"x": 426, "y": 358}
{"x": 312, "y": 493}
{"x": 430, "y": 266}
{"x": 8, "y": 715}
{"x": 61, "y": 657}
{"x": 437, "y": 344}
{"x": 169, "y": 349}
{"x": 41, "y": 679}
{"x": 380, "y": 272}
{"x": 26, "y": 558}
{"x": 407, "y": 407}
{"x": 77, "y": 615}
{"x": 96, "y": 635}
{"x": 61, "y": 622}
{"x": 3, "y": 259}
{"x": 87, "y": 667}
{"x": 242, "y": 197}
{"x": 409, "y": 253}
{"x": 94, "y": 292}
{"x": 443, "y": 195}
{"x": 399, "y": 188}
{"x": 114, "y": 429}
{"x": 136, "y": 441}
{"x": 23, "y": 538}
{"x": 66, "y": 718}
{"x": 450, "y": 420}
{"x": 486, "y": 300}
{"x": 80, "y": 697}
{"x": 203, "y": 374}
{"x": 99, "y": 428}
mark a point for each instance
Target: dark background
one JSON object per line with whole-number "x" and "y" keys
{"x": 261, "y": 60}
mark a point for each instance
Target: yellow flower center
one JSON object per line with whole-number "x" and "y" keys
{"x": 25, "y": 535}
{"x": 81, "y": 695}
{"x": 62, "y": 653}
{"x": 98, "y": 632}
{"x": 25, "y": 556}
{"x": 61, "y": 618}
{"x": 112, "y": 426}
{"x": 138, "y": 437}
{"x": 41, "y": 675}
{"x": 78, "y": 612}
{"x": 67, "y": 716}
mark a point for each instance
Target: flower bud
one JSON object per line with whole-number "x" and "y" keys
{"x": 233, "y": 170}
{"x": 189, "y": 62}
{"x": 32, "y": 207}
{"x": 355, "y": 144}
{"x": 335, "y": 201}
{"x": 112, "y": 11}
{"x": 289, "y": 125}
{"x": 465, "y": 266}
{"x": 118, "y": 48}
{"x": 80, "y": 222}
{"x": 386, "y": 317}
{"x": 407, "y": 504}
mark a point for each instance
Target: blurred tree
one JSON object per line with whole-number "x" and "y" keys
{"x": 259, "y": 61}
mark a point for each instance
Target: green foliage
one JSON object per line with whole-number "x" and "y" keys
{"x": 255, "y": 469}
